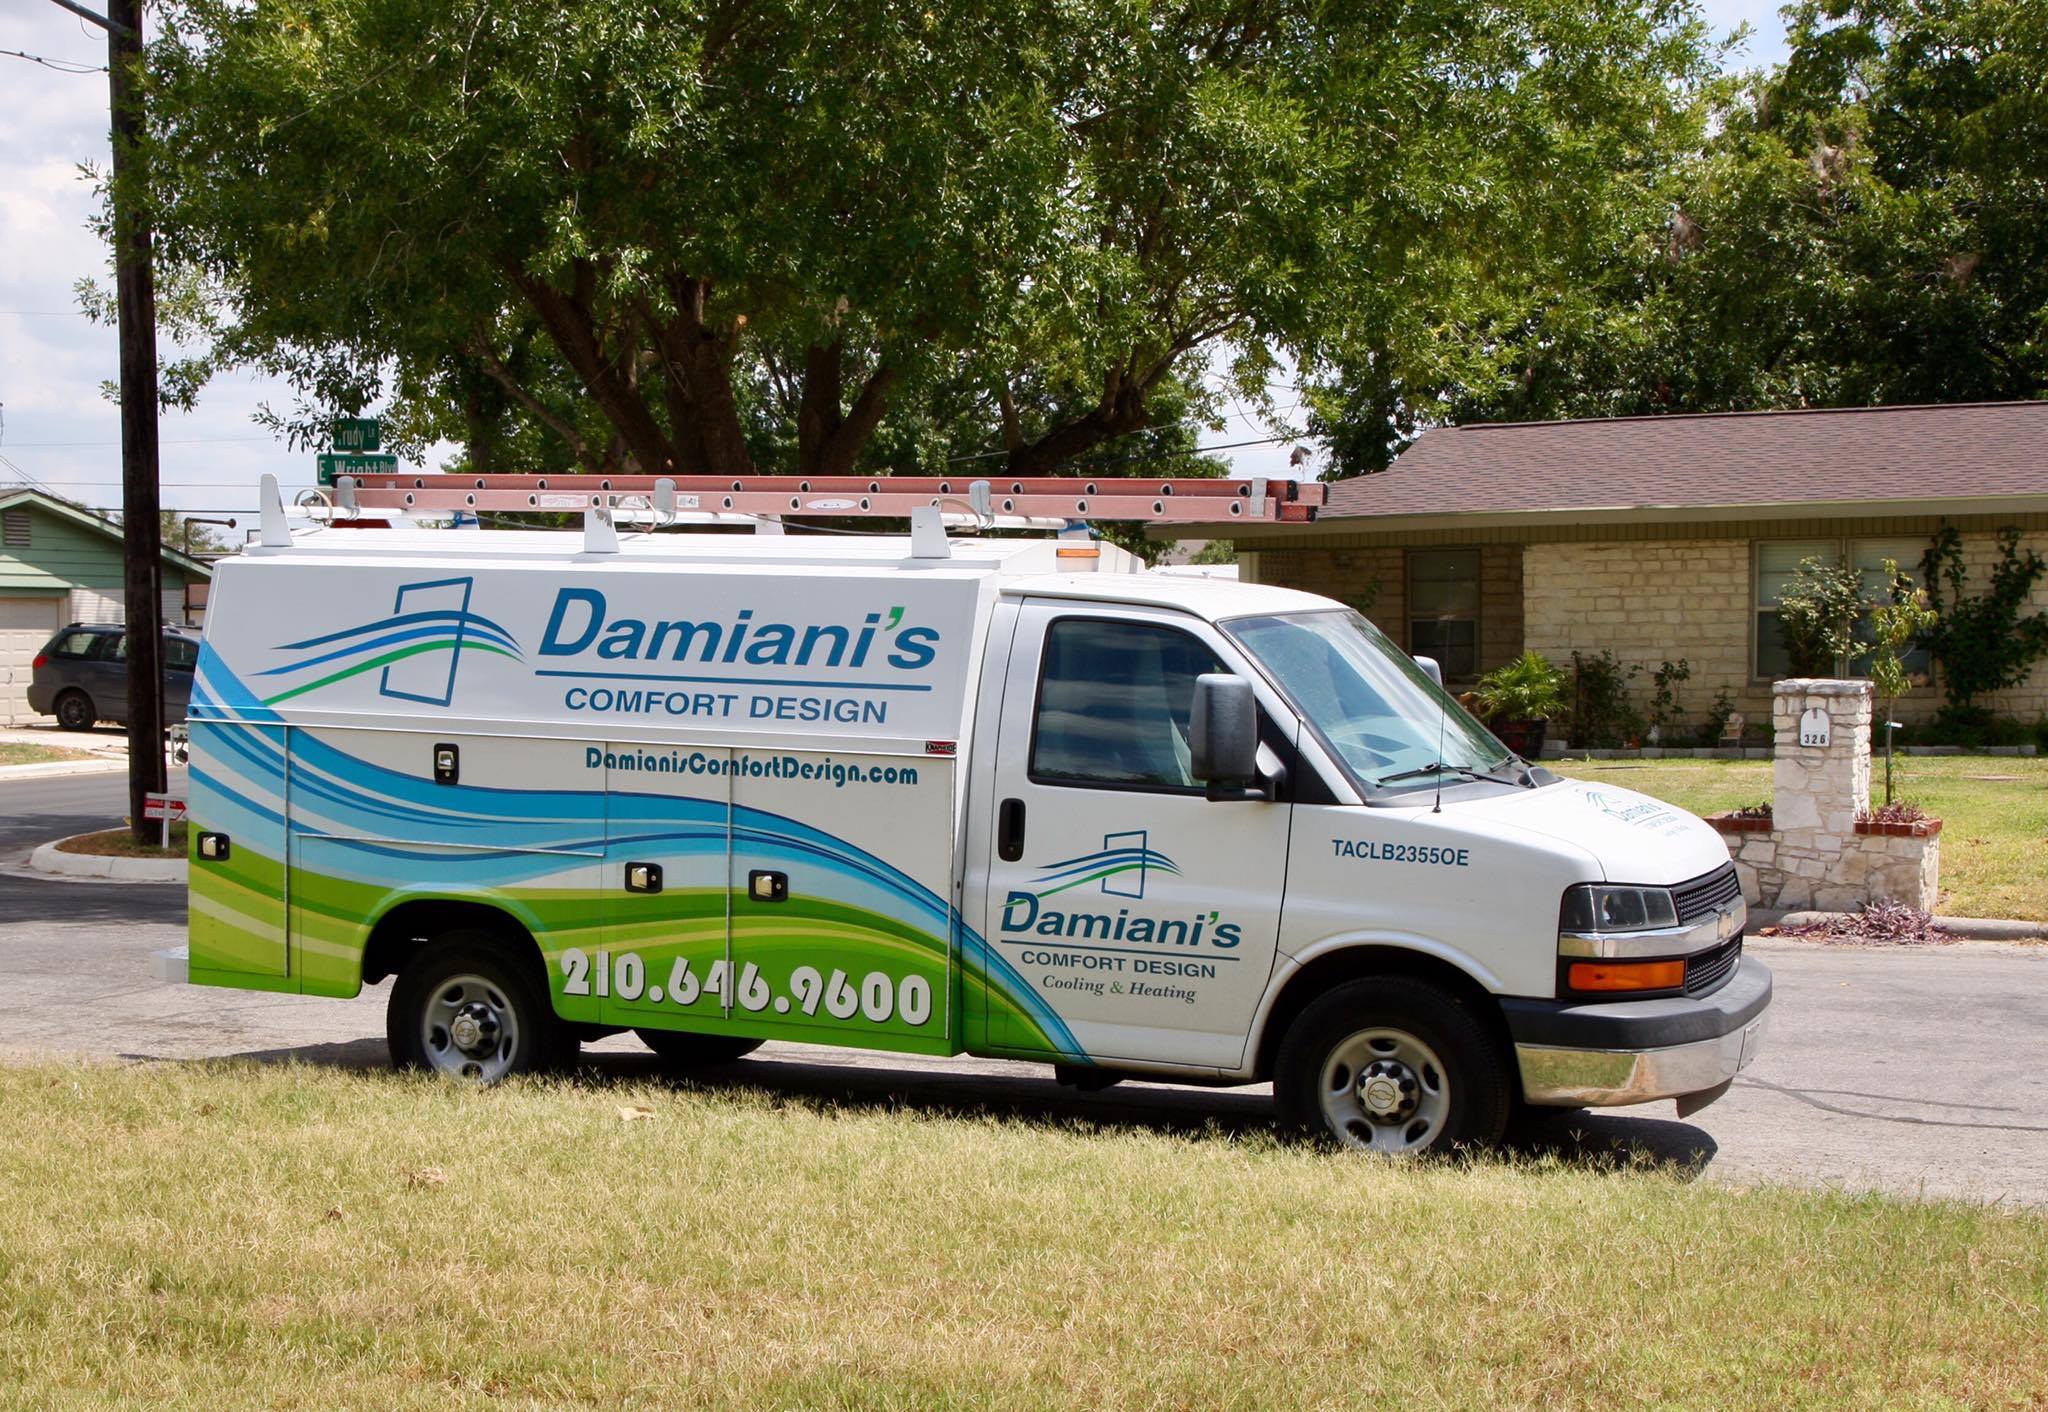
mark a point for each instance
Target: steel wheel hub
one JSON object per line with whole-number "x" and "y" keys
{"x": 1384, "y": 1090}
{"x": 1388, "y": 1090}
{"x": 470, "y": 1029}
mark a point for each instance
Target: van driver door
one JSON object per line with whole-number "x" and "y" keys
{"x": 1129, "y": 917}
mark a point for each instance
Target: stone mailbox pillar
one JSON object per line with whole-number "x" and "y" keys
{"x": 1815, "y": 850}
{"x": 1821, "y": 778}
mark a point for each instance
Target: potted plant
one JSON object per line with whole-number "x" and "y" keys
{"x": 1517, "y": 701}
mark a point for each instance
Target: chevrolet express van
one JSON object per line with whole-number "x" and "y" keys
{"x": 998, "y": 797}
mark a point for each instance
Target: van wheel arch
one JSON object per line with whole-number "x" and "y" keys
{"x": 1353, "y": 963}
{"x": 404, "y": 930}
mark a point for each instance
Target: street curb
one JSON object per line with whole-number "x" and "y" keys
{"x": 1967, "y": 928}
{"x": 53, "y": 861}
{"x": 61, "y": 767}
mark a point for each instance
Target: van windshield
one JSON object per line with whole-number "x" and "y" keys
{"x": 1372, "y": 705}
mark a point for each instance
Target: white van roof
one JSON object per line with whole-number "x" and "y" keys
{"x": 789, "y": 551}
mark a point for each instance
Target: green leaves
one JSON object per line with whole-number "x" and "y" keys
{"x": 876, "y": 234}
{"x": 1864, "y": 225}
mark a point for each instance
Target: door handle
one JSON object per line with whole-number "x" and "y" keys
{"x": 643, "y": 877}
{"x": 1010, "y": 830}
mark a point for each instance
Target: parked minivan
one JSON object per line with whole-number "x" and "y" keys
{"x": 81, "y": 676}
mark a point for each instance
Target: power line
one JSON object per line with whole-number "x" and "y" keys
{"x": 62, "y": 66}
{"x": 174, "y": 441}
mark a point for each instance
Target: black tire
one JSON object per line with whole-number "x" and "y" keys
{"x": 1472, "y": 1089}
{"x": 694, "y": 1051}
{"x": 74, "y": 711}
{"x": 508, "y": 986}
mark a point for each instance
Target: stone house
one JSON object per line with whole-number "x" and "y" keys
{"x": 62, "y": 564}
{"x": 1662, "y": 537}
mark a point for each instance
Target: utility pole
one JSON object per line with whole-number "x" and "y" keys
{"x": 135, "y": 298}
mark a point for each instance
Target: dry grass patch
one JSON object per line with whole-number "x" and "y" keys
{"x": 226, "y": 1237}
{"x": 24, "y": 753}
{"x": 120, "y": 843}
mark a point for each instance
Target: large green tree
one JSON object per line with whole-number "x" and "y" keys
{"x": 1867, "y": 224}
{"x": 715, "y": 235}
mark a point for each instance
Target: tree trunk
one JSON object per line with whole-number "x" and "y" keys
{"x": 570, "y": 326}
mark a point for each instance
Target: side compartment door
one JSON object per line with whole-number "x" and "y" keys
{"x": 666, "y": 961}
{"x": 843, "y": 922}
{"x": 237, "y": 904}
{"x": 1129, "y": 916}
{"x": 380, "y": 817}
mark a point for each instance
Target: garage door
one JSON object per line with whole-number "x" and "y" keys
{"x": 25, "y": 625}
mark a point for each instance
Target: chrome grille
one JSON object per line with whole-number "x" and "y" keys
{"x": 1708, "y": 969}
{"x": 1706, "y": 895}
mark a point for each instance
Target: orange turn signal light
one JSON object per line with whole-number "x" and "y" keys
{"x": 1626, "y": 975}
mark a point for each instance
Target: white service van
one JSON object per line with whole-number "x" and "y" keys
{"x": 1014, "y": 798}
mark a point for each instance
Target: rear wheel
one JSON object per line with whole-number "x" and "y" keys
{"x": 696, "y": 1050}
{"x": 75, "y": 711}
{"x": 466, "y": 1008}
{"x": 1392, "y": 1065}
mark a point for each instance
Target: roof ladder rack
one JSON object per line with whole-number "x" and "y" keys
{"x": 1180, "y": 500}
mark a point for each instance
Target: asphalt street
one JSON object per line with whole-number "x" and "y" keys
{"x": 1912, "y": 1070}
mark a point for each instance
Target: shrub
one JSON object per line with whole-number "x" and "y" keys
{"x": 1526, "y": 689}
{"x": 1817, "y": 615}
{"x": 1895, "y": 623}
{"x": 1983, "y": 642}
{"x": 1602, "y": 716}
{"x": 1718, "y": 716}
{"x": 1665, "y": 712}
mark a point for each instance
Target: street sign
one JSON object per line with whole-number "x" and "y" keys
{"x": 335, "y": 464}
{"x": 358, "y": 434}
{"x": 163, "y": 807}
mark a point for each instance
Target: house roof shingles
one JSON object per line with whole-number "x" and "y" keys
{"x": 1683, "y": 462}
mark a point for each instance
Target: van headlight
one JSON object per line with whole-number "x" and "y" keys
{"x": 1598, "y": 907}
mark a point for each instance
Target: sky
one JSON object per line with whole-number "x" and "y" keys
{"x": 60, "y": 431}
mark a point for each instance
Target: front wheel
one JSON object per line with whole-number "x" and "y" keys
{"x": 1392, "y": 1065}
{"x": 467, "y": 1009}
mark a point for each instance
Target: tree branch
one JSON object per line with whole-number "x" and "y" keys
{"x": 496, "y": 370}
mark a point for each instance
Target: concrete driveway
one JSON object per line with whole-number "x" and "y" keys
{"x": 1917, "y": 1071}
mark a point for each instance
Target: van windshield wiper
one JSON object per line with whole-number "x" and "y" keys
{"x": 1437, "y": 767}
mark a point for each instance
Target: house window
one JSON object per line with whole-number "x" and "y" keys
{"x": 14, "y": 529}
{"x": 1777, "y": 565}
{"x": 1443, "y": 609}
{"x": 1867, "y": 557}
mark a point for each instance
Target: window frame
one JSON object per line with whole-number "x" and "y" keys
{"x": 1038, "y": 707}
{"x": 1408, "y": 616}
{"x": 1843, "y": 548}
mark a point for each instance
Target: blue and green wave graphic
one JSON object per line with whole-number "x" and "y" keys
{"x": 375, "y": 645}
{"x": 1098, "y": 866}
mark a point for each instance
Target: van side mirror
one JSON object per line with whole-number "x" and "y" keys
{"x": 1431, "y": 669}
{"x": 1223, "y": 734}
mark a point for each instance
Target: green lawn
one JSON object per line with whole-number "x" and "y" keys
{"x": 1994, "y": 812}
{"x": 228, "y": 1237}
{"x": 12, "y": 753}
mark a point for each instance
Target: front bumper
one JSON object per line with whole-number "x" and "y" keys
{"x": 1575, "y": 1055}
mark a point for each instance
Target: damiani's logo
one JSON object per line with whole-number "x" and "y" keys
{"x": 1120, "y": 866}
{"x": 427, "y": 620}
